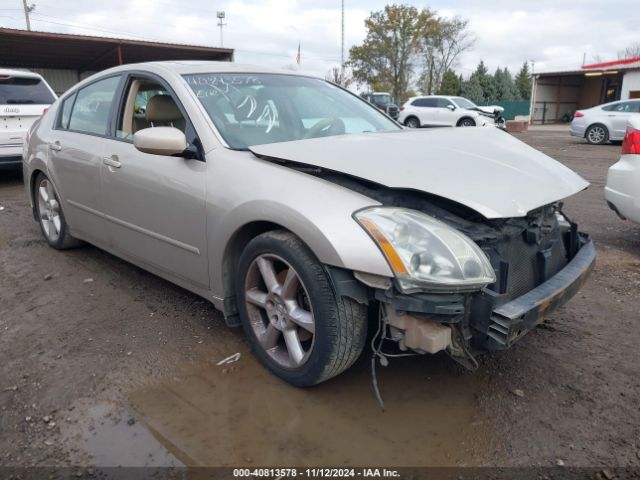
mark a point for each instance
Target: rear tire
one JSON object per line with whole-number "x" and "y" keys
{"x": 412, "y": 122}
{"x": 597, "y": 134}
{"x": 296, "y": 324}
{"x": 50, "y": 215}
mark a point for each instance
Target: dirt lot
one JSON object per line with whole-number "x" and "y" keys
{"x": 103, "y": 364}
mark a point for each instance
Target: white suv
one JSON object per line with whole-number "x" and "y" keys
{"x": 443, "y": 111}
{"x": 24, "y": 97}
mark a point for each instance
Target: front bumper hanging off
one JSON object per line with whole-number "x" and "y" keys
{"x": 512, "y": 320}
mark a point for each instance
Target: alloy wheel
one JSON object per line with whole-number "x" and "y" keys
{"x": 596, "y": 134}
{"x": 49, "y": 210}
{"x": 279, "y": 310}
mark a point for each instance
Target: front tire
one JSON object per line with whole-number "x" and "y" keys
{"x": 466, "y": 122}
{"x": 50, "y": 215}
{"x": 597, "y": 134}
{"x": 297, "y": 325}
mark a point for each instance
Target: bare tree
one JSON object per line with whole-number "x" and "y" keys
{"x": 441, "y": 47}
{"x": 631, "y": 51}
{"x": 387, "y": 56}
{"x": 340, "y": 76}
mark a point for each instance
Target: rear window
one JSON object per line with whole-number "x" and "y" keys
{"x": 628, "y": 107}
{"x": 24, "y": 91}
{"x": 425, "y": 102}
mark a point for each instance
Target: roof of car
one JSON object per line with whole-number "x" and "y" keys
{"x": 434, "y": 96}
{"x": 183, "y": 67}
{"x": 18, "y": 73}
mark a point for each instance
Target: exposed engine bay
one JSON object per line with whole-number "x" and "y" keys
{"x": 524, "y": 252}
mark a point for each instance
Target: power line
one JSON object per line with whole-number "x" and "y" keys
{"x": 85, "y": 26}
{"x": 94, "y": 28}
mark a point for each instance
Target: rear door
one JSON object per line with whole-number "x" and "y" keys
{"x": 76, "y": 147}
{"x": 618, "y": 115}
{"x": 155, "y": 204}
{"x": 23, "y": 99}
{"x": 425, "y": 110}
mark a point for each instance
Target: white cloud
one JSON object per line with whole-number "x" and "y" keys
{"x": 555, "y": 34}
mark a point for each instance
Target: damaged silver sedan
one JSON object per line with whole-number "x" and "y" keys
{"x": 306, "y": 215}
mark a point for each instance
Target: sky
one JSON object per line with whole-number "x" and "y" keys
{"x": 553, "y": 34}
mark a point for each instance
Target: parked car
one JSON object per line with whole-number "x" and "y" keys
{"x": 384, "y": 102}
{"x": 604, "y": 123}
{"x": 24, "y": 96}
{"x": 283, "y": 200}
{"x": 622, "y": 190}
{"x": 443, "y": 111}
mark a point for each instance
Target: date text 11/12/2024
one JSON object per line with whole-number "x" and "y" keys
{"x": 315, "y": 473}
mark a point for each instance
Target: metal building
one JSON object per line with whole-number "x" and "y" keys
{"x": 63, "y": 59}
{"x": 557, "y": 95}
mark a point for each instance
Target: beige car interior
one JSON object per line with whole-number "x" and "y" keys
{"x": 161, "y": 110}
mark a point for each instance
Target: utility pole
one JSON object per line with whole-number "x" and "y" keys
{"x": 27, "y": 10}
{"x": 342, "y": 46}
{"x": 221, "y": 24}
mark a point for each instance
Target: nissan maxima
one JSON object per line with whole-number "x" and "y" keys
{"x": 308, "y": 216}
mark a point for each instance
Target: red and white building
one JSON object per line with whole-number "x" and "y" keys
{"x": 557, "y": 95}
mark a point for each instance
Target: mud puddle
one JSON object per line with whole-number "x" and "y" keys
{"x": 239, "y": 414}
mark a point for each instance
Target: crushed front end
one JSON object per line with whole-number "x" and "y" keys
{"x": 538, "y": 263}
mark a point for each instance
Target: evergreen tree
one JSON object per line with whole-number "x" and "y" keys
{"x": 486, "y": 82}
{"x": 504, "y": 85}
{"x": 472, "y": 89}
{"x": 450, "y": 84}
{"x": 523, "y": 82}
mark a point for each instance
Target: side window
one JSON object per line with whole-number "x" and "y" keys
{"x": 147, "y": 104}
{"x": 91, "y": 109}
{"x": 443, "y": 103}
{"x": 622, "y": 107}
{"x": 65, "y": 112}
{"x": 424, "y": 102}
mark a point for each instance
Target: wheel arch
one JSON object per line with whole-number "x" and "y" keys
{"x": 33, "y": 175}
{"x": 327, "y": 245}
{"x": 412, "y": 115}
{"x": 600, "y": 124}
{"x": 466, "y": 117}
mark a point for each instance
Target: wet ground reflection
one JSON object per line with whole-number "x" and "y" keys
{"x": 242, "y": 415}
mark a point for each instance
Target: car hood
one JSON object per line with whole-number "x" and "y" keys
{"x": 485, "y": 169}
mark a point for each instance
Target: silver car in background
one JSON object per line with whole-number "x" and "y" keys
{"x": 306, "y": 215}
{"x": 604, "y": 123}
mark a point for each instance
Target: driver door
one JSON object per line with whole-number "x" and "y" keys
{"x": 155, "y": 204}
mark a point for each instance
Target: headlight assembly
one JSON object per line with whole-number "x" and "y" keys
{"x": 425, "y": 253}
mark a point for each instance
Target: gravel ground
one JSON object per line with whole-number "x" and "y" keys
{"x": 104, "y": 364}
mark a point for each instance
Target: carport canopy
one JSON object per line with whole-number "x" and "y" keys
{"x": 29, "y": 49}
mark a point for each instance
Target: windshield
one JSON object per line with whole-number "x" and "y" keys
{"x": 464, "y": 103}
{"x": 382, "y": 99}
{"x": 24, "y": 90}
{"x": 254, "y": 109}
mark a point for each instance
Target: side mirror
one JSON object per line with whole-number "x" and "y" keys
{"x": 160, "y": 141}
{"x": 451, "y": 107}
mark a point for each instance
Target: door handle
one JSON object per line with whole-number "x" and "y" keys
{"x": 111, "y": 161}
{"x": 56, "y": 147}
